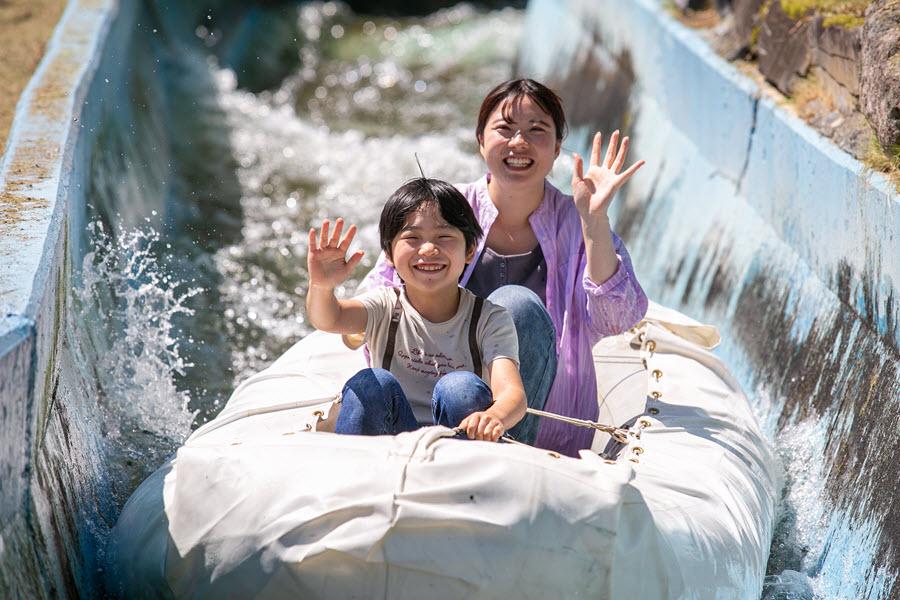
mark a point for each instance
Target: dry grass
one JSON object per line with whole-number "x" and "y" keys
{"x": 699, "y": 19}
{"x": 25, "y": 27}
{"x": 883, "y": 160}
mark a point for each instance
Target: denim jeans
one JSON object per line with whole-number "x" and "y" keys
{"x": 374, "y": 402}
{"x": 537, "y": 351}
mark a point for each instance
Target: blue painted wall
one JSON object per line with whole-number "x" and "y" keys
{"x": 746, "y": 218}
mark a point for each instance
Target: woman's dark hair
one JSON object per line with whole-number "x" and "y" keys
{"x": 416, "y": 192}
{"x": 515, "y": 89}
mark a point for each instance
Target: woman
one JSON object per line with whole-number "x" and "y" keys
{"x": 549, "y": 258}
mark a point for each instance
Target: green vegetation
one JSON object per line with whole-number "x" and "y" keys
{"x": 845, "y": 21}
{"x": 844, "y": 11}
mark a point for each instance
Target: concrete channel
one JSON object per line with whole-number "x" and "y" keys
{"x": 743, "y": 217}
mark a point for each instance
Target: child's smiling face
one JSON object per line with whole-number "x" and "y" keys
{"x": 428, "y": 253}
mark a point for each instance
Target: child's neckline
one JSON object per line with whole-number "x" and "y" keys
{"x": 456, "y": 313}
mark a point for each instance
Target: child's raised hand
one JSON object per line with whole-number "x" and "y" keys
{"x": 482, "y": 426}
{"x": 327, "y": 258}
{"x": 594, "y": 190}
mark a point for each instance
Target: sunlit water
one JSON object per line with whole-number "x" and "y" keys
{"x": 334, "y": 139}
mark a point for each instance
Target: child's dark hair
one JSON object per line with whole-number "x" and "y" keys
{"x": 416, "y": 192}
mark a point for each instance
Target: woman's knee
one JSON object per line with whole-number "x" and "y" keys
{"x": 516, "y": 298}
{"x": 523, "y": 304}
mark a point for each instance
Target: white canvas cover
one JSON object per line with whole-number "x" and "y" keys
{"x": 258, "y": 504}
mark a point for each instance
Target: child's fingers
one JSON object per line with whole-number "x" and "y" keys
{"x": 471, "y": 427}
{"x": 336, "y": 234}
{"x": 313, "y": 243}
{"x": 323, "y": 237}
{"x": 354, "y": 260}
{"x": 345, "y": 243}
{"x": 483, "y": 424}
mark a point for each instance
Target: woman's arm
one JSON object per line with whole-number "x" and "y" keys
{"x": 593, "y": 192}
{"x": 618, "y": 303}
{"x": 328, "y": 268}
{"x": 508, "y": 407}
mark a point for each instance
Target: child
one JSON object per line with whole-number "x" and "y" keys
{"x": 430, "y": 341}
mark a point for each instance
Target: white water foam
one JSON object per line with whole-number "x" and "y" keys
{"x": 128, "y": 348}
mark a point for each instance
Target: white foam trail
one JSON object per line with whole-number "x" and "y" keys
{"x": 127, "y": 305}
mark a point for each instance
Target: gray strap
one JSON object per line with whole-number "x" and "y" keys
{"x": 473, "y": 337}
{"x": 392, "y": 332}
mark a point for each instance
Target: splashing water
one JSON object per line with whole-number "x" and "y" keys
{"x": 336, "y": 138}
{"x": 126, "y": 304}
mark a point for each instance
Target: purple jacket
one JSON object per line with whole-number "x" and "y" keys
{"x": 581, "y": 310}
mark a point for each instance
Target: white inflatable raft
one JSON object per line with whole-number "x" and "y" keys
{"x": 259, "y": 504}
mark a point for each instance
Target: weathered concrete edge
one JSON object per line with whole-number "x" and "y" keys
{"x": 35, "y": 182}
{"x": 815, "y": 187}
{"x": 33, "y": 175}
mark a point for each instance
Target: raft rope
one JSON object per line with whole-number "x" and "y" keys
{"x": 619, "y": 434}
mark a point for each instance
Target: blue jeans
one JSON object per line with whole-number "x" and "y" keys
{"x": 537, "y": 351}
{"x": 374, "y": 403}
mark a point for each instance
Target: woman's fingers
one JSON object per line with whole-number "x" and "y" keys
{"x": 620, "y": 156}
{"x": 595, "y": 149}
{"x": 631, "y": 170}
{"x": 313, "y": 242}
{"x": 611, "y": 149}
{"x": 578, "y": 171}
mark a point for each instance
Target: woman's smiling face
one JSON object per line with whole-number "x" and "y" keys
{"x": 519, "y": 142}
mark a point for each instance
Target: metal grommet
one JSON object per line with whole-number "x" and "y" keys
{"x": 634, "y": 460}
{"x": 609, "y": 462}
{"x": 653, "y": 411}
{"x": 318, "y": 413}
{"x": 651, "y": 346}
{"x": 308, "y": 427}
{"x": 657, "y": 374}
{"x": 553, "y": 454}
{"x": 656, "y": 394}
{"x": 644, "y": 423}
{"x": 637, "y": 450}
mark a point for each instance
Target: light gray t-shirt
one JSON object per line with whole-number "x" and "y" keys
{"x": 425, "y": 351}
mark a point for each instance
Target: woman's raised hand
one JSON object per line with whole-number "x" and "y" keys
{"x": 327, "y": 258}
{"x": 594, "y": 190}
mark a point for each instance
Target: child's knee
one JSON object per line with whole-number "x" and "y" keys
{"x": 460, "y": 383}
{"x": 369, "y": 382}
{"x": 457, "y": 395}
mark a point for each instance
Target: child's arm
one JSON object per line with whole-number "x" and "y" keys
{"x": 328, "y": 267}
{"x": 508, "y": 407}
